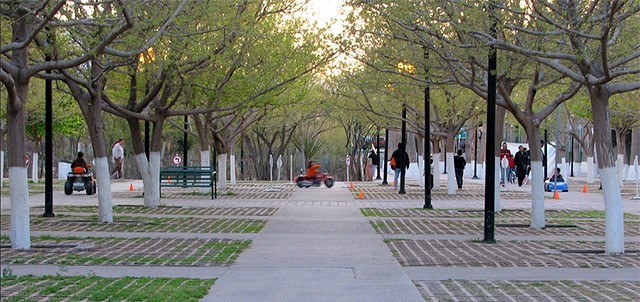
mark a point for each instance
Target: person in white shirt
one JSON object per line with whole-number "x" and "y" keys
{"x": 117, "y": 152}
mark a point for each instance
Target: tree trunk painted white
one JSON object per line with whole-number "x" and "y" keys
{"x": 205, "y": 161}
{"x": 497, "y": 207}
{"x": 143, "y": 168}
{"x": 436, "y": 171}
{"x": 537, "y": 195}
{"x": 1, "y": 169}
{"x": 153, "y": 200}
{"x": 34, "y": 167}
{"x": 590, "y": 170}
{"x": 150, "y": 173}
{"x": 451, "y": 175}
{"x": 19, "y": 193}
{"x": 620, "y": 168}
{"x": 105, "y": 205}
{"x": 222, "y": 171}
{"x": 232, "y": 168}
{"x": 614, "y": 212}
{"x": 420, "y": 168}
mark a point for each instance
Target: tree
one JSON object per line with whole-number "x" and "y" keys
{"x": 30, "y": 24}
{"x": 589, "y": 42}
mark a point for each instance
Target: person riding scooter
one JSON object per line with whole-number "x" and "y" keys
{"x": 312, "y": 171}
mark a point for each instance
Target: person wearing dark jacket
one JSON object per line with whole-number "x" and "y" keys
{"x": 458, "y": 163}
{"x": 79, "y": 163}
{"x": 521, "y": 161}
{"x": 402, "y": 161}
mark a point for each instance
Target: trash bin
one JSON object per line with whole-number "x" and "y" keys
{"x": 64, "y": 168}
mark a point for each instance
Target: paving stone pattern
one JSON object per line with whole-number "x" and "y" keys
{"x": 143, "y": 224}
{"x": 503, "y": 227}
{"x": 528, "y": 291}
{"x": 467, "y": 253}
{"x": 201, "y": 211}
{"x": 133, "y": 251}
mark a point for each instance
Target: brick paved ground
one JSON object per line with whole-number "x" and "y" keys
{"x": 498, "y": 290}
{"x": 567, "y": 248}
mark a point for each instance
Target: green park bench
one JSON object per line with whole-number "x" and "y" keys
{"x": 189, "y": 177}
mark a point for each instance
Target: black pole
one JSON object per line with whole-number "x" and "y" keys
{"x": 184, "y": 144}
{"x": 378, "y": 154}
{"x": 184, "y": 140}
{"x": 544, "y": 164}
{"x": 147, "y": 131}
{"x": 48, "y": 147}
{"x": 475, "y": 154}
{"x": 386, "y": 151}
{"x": 428, "y": 178}
{"x": 571, "y": 156}
{"x": 489, "y": 197}
{"x": 403, "y": 149}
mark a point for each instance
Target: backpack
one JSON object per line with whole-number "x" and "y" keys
{"x": 392, "y": 162}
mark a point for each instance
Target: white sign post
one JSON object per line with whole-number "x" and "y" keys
{"x": 348, "y": 162}
{"x": 635, "y": 165}
{"x": 291, "y": 169}
{"x": 270, "y": 167}
{"x": 279, "y": 165}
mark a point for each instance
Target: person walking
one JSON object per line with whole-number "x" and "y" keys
{"x": 117, "y": 157}
{"x": 504, "y": 153}
{"x": 398, "y": 162}
{"x": 458, "y": 163}
{"x": 374, "y": 162}
{"x": 521, "y": 165}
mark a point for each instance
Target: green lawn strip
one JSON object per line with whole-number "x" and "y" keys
{"x": 93, "y": 288}
{"x": 143, "y": 224}
{"x": 478, "y": 213}
{"x": 166, "y": 210}
{"x": 135, "y": 251}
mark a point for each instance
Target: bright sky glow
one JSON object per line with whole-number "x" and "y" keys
{"x": 327, "y": 12}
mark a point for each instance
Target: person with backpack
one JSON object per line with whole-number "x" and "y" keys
{"x": 397, "y": 162}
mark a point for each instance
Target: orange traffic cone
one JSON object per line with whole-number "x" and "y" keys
{"x": 131, "y": 187}
{"x": 556, "y": 195}
{"x": 351, "y": 185}
{"x": 584, "y": 189}
{"x": 361, "y": 194}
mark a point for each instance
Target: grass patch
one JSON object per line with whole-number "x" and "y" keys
{"x": 184, "y": 252}
{"x": 377, "y": 226}
{"x": 92, "y": 288}
{"x": 229, "y": 193}
{"x": 372, "y": 212}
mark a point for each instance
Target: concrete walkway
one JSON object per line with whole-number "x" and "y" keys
{"x": 319, "y": 247}
{"x": 316, "y": 254}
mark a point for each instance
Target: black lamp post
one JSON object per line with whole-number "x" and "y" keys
{"x": 428, "y": 178}
{"x": 571, "y": 156}
{"x": 48, "y": 146}
{"x": 378, "y": 155}
{"x": 403, "y": 169}
{"x": 386, "y": 151}
{"x": 490, "y": 190}
{"x": 475, "y": 154}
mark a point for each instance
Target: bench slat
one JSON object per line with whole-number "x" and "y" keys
{"x": 189, "y": 176}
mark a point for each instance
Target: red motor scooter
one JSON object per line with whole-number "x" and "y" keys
{"x": 316, "y": 181}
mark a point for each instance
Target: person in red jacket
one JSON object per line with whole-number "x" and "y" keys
{"x": 504, "y": 153}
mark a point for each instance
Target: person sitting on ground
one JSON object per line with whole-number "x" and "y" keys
{"x": 79, "y": 165}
